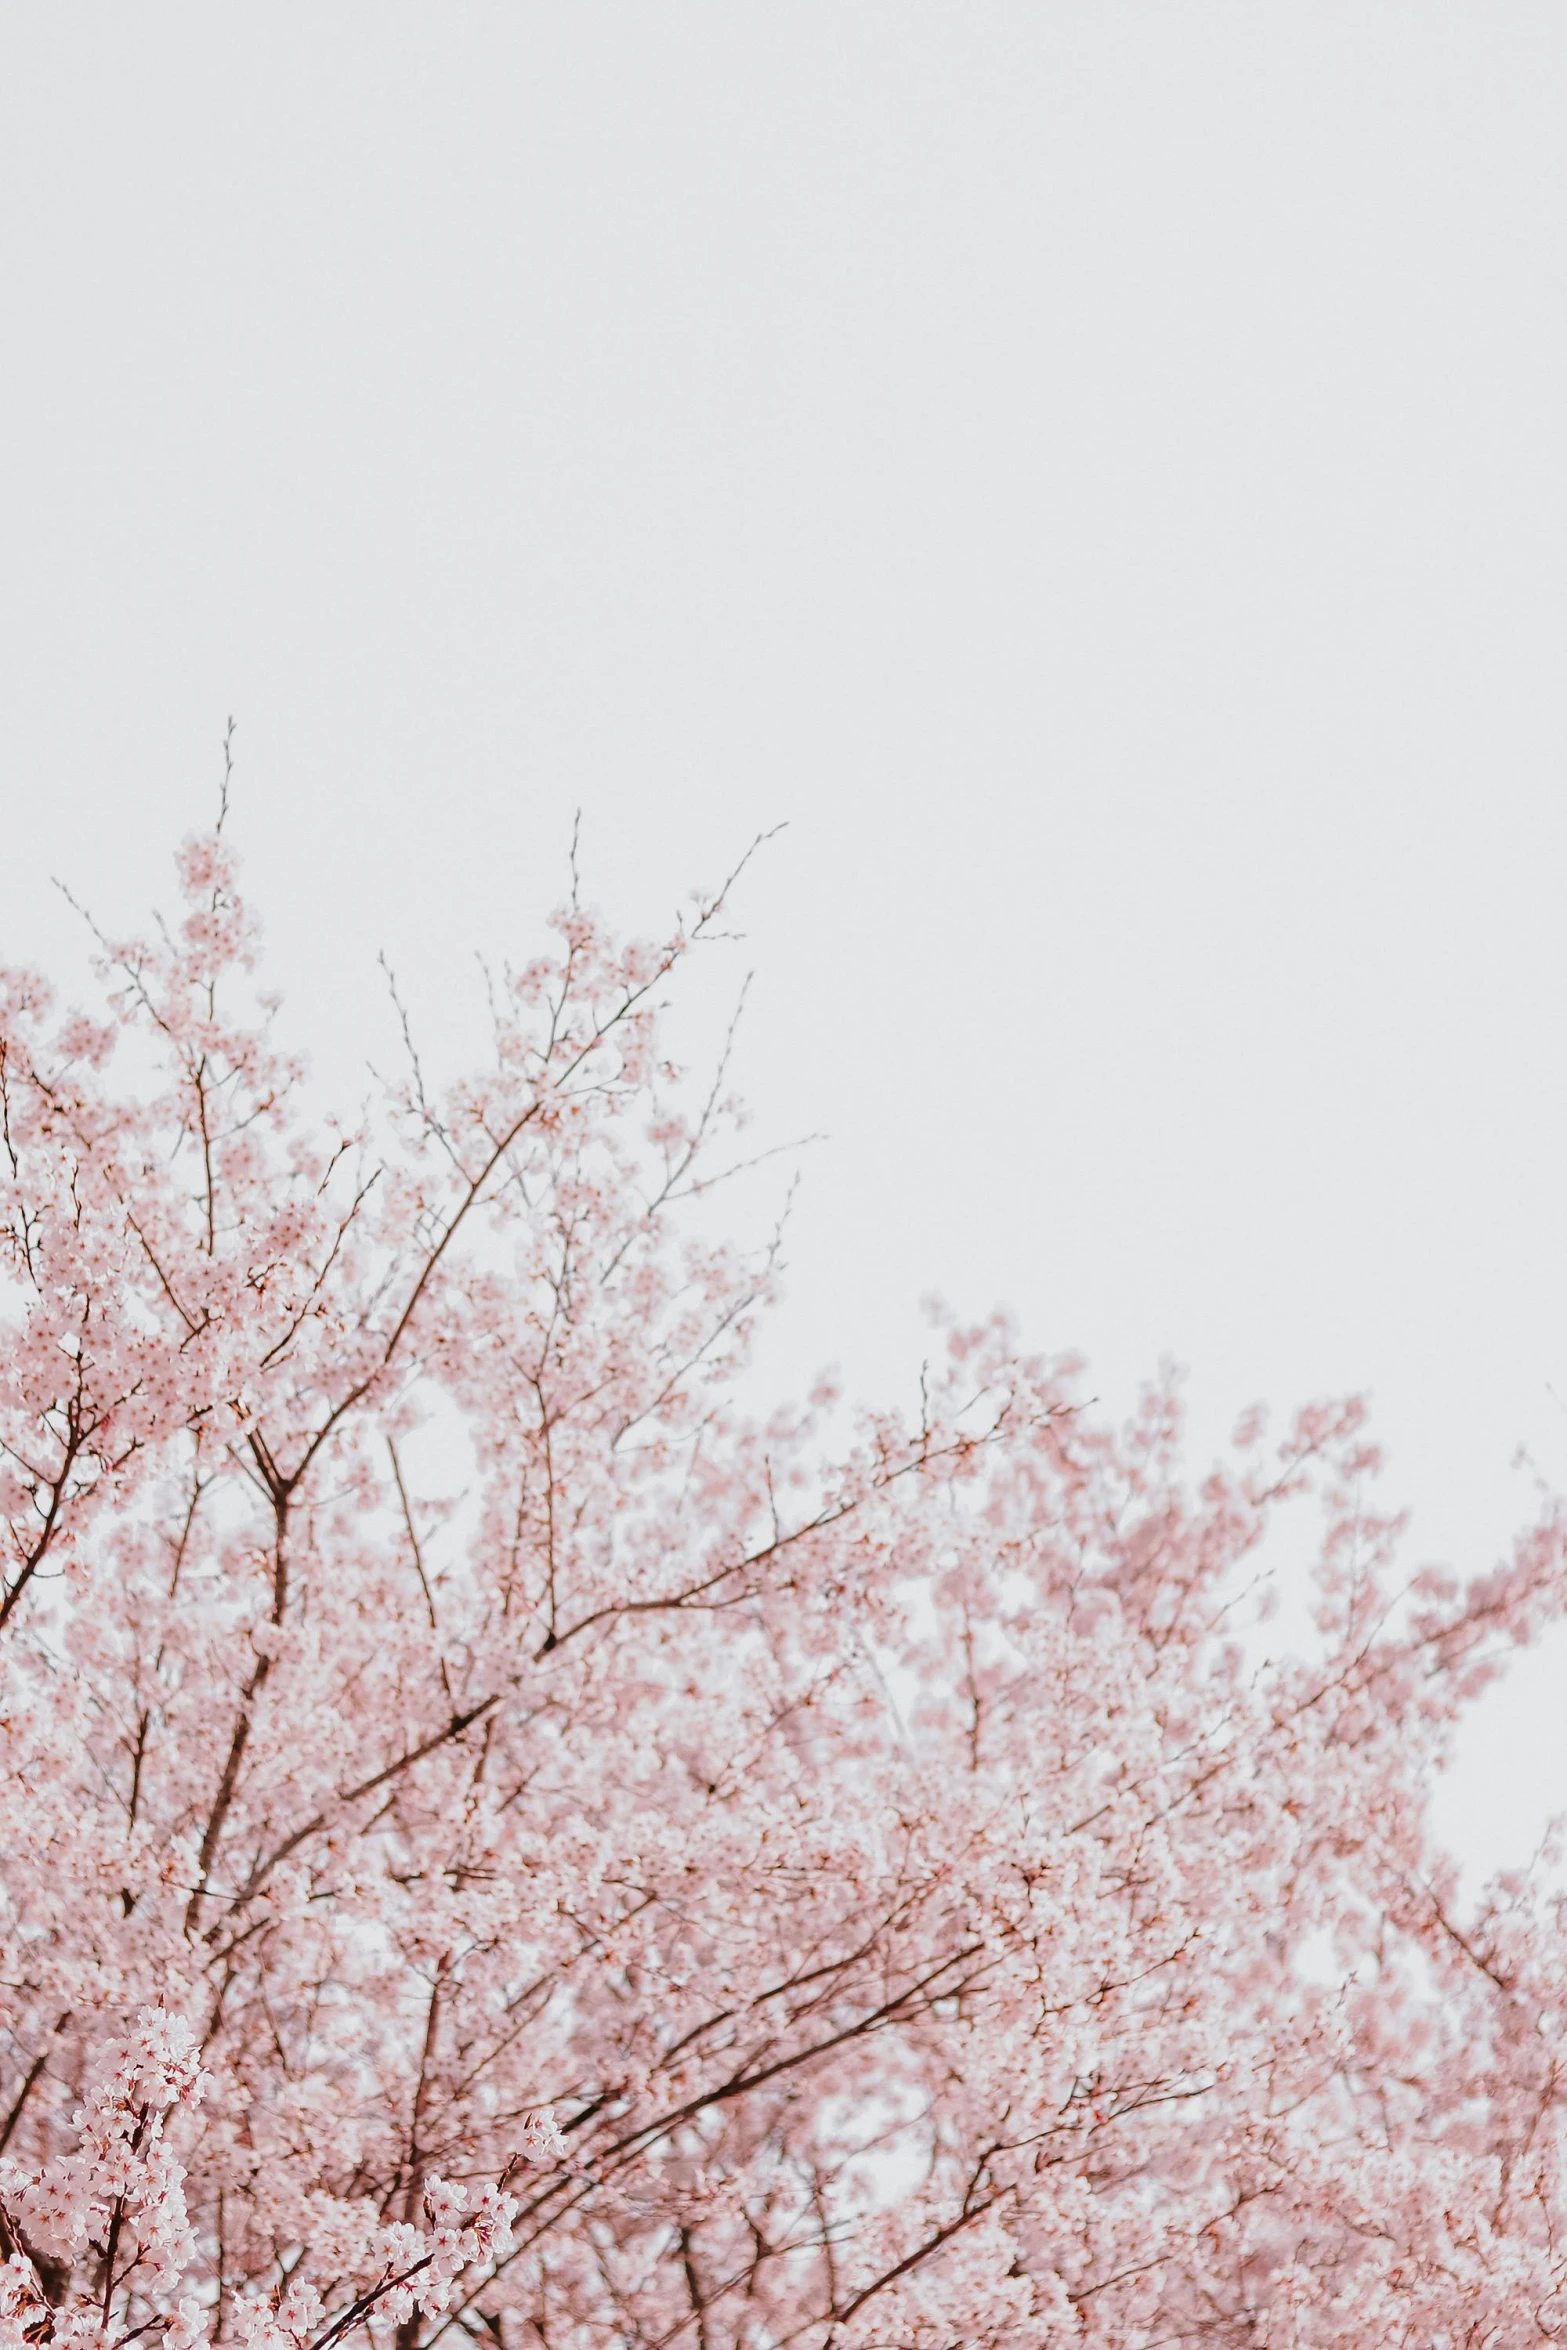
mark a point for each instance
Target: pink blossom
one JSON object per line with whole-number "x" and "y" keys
{"x": 497, "y": 1837}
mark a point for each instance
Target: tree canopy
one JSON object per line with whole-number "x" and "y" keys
{"x": 702, "y": 1880}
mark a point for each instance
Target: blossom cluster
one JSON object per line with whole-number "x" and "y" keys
{"x": 498, "y": 1837}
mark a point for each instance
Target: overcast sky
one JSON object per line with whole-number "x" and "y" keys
{"x": 1098, "y": 472}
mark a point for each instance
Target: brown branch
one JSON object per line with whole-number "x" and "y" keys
{"x": 19, "y": 2104}
{"x": 32, "y": 1560}
{"x": 824, "y": 1520}
{"x": 240, "y": 1737}
{"x": 313, "y": 1826}
{"x": 221, "y": 1802}
{"x": 954, "y": 2227}
{"x": 742, "y": 2083}
{"x": 628, "y": 1004}
{"x": 413, "y": 1541}
{"x": 693, "y": 2288}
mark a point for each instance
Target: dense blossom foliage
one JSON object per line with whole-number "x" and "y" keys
{"x": 659, "y": 1883}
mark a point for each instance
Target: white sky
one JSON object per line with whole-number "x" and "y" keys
{"x": 1098, "y": 471}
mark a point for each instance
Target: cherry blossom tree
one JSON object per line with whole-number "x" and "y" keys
{"x": 675, "y": 1878}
